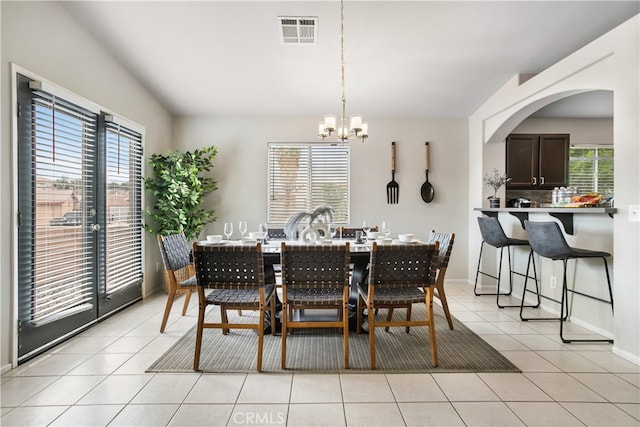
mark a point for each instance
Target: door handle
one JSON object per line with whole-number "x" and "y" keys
{"x": 542, "y": 180}
{"x": 95, "y": 227}
{"x": 535, "y": 180}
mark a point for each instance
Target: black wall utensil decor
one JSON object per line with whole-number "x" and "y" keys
{"x": 393, "y": 189}
{"x": 426, "y": 191}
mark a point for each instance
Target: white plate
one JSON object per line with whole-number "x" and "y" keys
{"x": 409, "y": 243}
{"x": 208, "y": 243}
{"x": 249, "y": 240}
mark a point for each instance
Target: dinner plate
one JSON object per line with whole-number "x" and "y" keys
{"x": 208, "y": 243}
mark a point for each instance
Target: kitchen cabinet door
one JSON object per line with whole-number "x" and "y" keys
{"x": 554, "y": 157}
{"x": 522, "y": 160}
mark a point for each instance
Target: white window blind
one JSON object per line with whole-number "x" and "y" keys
{"x": 305, "y": 176}
{"x": 591, "y": 169}
{"x": 64, "y": 138}
{"x": 123, "y": 202}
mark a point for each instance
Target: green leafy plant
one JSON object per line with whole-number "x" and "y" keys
{"x": 495, "y": 180}
{"x": 179, "y": 185}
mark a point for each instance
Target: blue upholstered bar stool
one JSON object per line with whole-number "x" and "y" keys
{"x": 546, "y": 239}
{"x": 493, "y": 235}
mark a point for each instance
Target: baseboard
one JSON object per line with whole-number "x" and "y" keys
{"x": 5, "y": 368}
{"x": 633, "y": 358}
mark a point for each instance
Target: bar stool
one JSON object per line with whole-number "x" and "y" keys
{"x": 546, "y": 239}
{"x": 493, "y": 235}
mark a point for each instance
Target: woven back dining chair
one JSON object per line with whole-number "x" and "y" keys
{"x": 445, "y": 242}
{"x": 315, "y": 277}
{"x": 176, "y": 258}
{"x": 235, "y": 273}
{"x": 399, "y": 275}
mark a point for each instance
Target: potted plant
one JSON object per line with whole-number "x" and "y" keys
{"x": 179, "y": 185}
{"x": 495, "y": 180}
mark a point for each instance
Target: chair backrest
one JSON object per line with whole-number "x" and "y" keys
{"x": 276, "y": 233}
{"x": 446, "y": 246}
{"x": 315, "y": 266}
{"x": 350, "y": 232}
{"x": 229, "y": 266}
{"x": 546, "y": 239}
{"x": 403, "y": 266}
{"x": 175, "y": 251}
{"x": 492, "y": 231}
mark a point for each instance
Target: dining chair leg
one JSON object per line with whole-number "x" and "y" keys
{"x": 445, "y": 305}
{"x": 201, "y": 308}
{"x": 167, "y": 309}
{"x": 260, "y": 337}
{"x": 345, "y": 325}
{"x": 372, "y": 336}
{"x": 224, "y": 319}
{"x": 432, "y": 326}
{"x": 285, "y": 320}
{"x": 408, "y": 318}
{"x": 187, "y": 298}
{"x": 273, "y": 313}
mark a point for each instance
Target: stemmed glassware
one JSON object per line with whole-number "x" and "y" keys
{"x": 263, "y": 229}
{"x": 333, "y": 230}
{"x": 386, "y": 228}
{"x": 228, "y": 230}
{"x": 242, "y": 228}
{"x": 366, "y": 227}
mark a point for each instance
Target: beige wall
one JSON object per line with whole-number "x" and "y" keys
{"x": 43, "y": 39}
{"x": 241, "y": 172}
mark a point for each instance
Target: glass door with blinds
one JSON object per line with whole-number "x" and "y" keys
{"x": 79, "y": 207}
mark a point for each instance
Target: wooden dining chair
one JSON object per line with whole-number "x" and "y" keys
{"x": 446, "y": 246}
{"x": 315, "y": 277}
{"x": 176, "y": 258}
{"x": 235, "y": 273}
{"x": 399, "y": 275}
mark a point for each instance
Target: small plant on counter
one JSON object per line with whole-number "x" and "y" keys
{"x": 495, "y": 180}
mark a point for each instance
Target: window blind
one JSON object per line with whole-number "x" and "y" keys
{"x": 123, "y": 207}
{"x": 63, "y": 165}
{"x": 591, "y": 169}
{"x": 304, "y": 176}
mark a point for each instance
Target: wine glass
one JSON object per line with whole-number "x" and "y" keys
{"x": 263, "y": 229}
{"x": 242, "y": 228}
{"x": 366, "y": 227}
{"x": 386, "y": 228}
{"x": 228, "y": 230}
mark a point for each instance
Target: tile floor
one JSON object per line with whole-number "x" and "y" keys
{"x": 98, "y": 379}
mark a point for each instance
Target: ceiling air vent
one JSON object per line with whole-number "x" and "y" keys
{"x": 298, "y": 29}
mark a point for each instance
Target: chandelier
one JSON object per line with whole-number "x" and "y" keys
{"x": 357, "y": 128}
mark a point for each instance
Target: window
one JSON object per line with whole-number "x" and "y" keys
{"x": 591, "y": 169}
{"x": 303, "y": 177}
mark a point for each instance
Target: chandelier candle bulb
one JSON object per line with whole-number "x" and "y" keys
{"x": 330, "y": 122}
{"x": 356, "y": 122}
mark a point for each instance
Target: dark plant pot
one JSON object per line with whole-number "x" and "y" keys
{"x": 494, "y": 202}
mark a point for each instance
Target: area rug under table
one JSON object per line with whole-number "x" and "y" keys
{"x": 320, "y": 350}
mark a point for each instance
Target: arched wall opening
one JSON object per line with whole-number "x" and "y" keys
{"x": 609, "y": 63}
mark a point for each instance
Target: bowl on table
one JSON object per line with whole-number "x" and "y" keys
{"x": 254, "y": 235}
{"x": 405, "y": 238}
{"x": 372, "y": 235}
{"x": 381, "y": 240}
{"x": 214, "y": 238}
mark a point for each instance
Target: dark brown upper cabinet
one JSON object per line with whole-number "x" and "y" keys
{"x": 537, "y": 161}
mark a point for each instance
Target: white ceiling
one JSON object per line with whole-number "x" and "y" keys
{"x": 403, "y": 59}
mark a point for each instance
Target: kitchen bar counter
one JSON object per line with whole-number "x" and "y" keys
{"x": 565, "y": 215}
